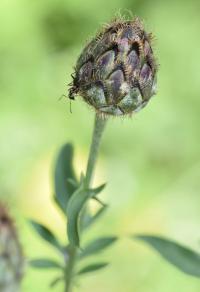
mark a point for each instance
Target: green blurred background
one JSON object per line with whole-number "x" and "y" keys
{"x": 151, "y": 161}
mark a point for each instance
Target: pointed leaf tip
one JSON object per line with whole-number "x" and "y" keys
{"x": 46, "y": 234}
{"x": 185, "y": 259}
{"x": 98, "y": 245}
{"x": 55, "y": 282}
{"x": 99, "y": 189}
{"x": 92, "y": 268}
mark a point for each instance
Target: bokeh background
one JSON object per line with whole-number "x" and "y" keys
{"x": 151, "y": 161}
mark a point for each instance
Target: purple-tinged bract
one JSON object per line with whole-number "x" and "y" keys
{"x": 116, "y": 72}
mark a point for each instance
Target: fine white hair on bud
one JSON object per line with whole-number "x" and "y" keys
{"x": 116, "y": 71}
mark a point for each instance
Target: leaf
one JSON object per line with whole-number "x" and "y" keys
{"x": 64, "y": 172}
{"x": 185, "y": 259}
{"x": 46, "y": 234}
{"x": 94, "y": 218}
{"x": 97, "y": 246}
{"x": 92, "y": 268}
{"x": 73, "y": 182}
{"x": 99, "y": 201}
{"x": 74, "y": 207}
{"x": 45, "y": 264}
{"x": 97, "y": 190}
{"x": 56, "y": 281}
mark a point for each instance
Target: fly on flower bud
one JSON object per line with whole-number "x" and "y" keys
{"x": 116, "y": 72}
{"x": 11, "y": 259}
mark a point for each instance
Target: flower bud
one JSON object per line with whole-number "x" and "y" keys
{"x": 11, "y": 259}
{"x": 116, "y": 72}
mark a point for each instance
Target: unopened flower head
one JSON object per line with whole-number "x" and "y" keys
{"x": 116, "y": 72}
{"x": 12, "y": 261}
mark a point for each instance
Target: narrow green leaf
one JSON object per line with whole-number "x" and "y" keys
{"x": 185, "y": 259}
{"x": 46, "y": 234}
{"x": 56, "y": 281}
{"x": 63, "y": 173}
{"x": 97, "y": 245}
{"x": 98, "y": 190}
{"x": 91, "y": 220}
{"x": 45, "y": 264}
{"x": 74, "y": 207}
{"x": 99, "y": 201}
{"x": 92, "y": 268}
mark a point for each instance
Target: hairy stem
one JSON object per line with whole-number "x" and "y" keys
{"x": 99, "y": 125}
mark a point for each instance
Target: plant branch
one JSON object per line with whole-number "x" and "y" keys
{"x": 99, "y": 125}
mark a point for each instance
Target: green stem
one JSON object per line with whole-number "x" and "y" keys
{"x": 99, "y": 126}
{"x": 69, "y": 269}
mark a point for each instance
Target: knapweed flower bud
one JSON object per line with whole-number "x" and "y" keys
{"x": 116, "y": 72}
{"x": 11, "y": 259}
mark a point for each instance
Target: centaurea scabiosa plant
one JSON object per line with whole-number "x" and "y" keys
{"x": 116, "y": 76}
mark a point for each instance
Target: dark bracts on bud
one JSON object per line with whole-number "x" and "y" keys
{"x": 116, "y": 72}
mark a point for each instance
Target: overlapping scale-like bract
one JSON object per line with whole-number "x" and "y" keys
{"x": 11, "y": 258}
{"x": 116, "y": 72}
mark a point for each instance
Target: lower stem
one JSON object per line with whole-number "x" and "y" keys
{"x": 99, "y": 125}
{"x": 69, "y": 269}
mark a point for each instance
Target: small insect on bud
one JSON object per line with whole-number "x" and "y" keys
{"x": 116, "y": 72}
{"x": 11, "y": 259}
